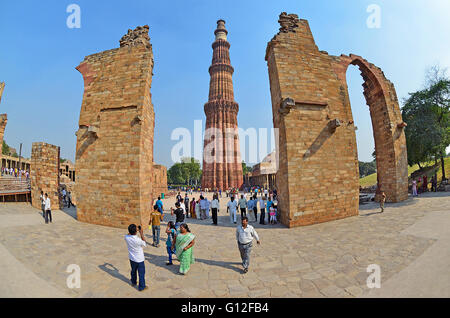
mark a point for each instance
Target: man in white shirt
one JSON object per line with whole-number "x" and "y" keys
{"x": 243, "y": 205}
{"x": 202, "y": 208}
{"x": 64, "y": 193}
{"x": 244, "y": 236}
{"x": 215, "y": 208}
{"x": 48, "y": 209}
{"x": 136, "y": 255}
{"x": 262, "y": 208}
{"x": 232, "y": 207}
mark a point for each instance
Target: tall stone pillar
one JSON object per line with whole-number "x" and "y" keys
{"x": 222, "y": 165}
{"x": 114, "y": 156}
{"x": 45, "y": 160}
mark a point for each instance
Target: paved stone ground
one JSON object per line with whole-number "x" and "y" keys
{"x": 323, "y": 260}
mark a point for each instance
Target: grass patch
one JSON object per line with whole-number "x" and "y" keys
{"x": 371, "y": 179}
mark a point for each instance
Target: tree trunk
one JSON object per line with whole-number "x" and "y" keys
{"x": 443, "y": 168}
{"x": 420, "y": 167}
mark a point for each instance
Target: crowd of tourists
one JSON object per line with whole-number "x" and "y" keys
{"x": 421, "y": 185}
{"x": 180, "y": 241}
{"x": 17, "y": 173}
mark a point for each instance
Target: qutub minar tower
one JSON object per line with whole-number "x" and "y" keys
{"x": 222, "y": 165}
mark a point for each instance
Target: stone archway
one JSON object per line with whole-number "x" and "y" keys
{"x": 387, "y": 124}
{"x": 318, "y": 177}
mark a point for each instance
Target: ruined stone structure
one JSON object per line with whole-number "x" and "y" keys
{"x": 15, "y": 162}
{"x": 3, "y": 119}
{"x": 2, "y": 87}
{"x": 114, "y": 156}
{"x": 159, "y": 180}
{"x": 264, "y": 173}
{"x": 44, "y": 174}
{"x": 318, "y": 166}
{"x": 67, "y": 168}
{"x": 3, "y": 122}
{"x": 222, "y": 166}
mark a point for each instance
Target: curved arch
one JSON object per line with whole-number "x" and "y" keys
{"x": 387, "y": 124}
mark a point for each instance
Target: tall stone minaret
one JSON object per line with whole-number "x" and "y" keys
{"x": 3, "y": 119}
{"x": 222, "y": 165}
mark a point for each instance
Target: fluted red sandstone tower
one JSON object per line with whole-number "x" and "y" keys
{"x": 222, "y": 167}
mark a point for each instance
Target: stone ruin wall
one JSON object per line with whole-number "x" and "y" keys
{"x": 159, "y": 180}
{"x": 45, "y": 174}
{"x": 114, "y": 155}
{"x": 318, "y": 177}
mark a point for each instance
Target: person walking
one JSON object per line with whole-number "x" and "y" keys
{"x": 245, "y": 234}
{"x": 273, "y": 214}
{"x": 215, "y": 208}
{"x": 48, "y": 209}
{"x": 193, "y": 204}
{"x": 231, "y": 208}
{"x": 203, "y": 205}
{"x": 382, "y": 201}
{"x": 155, "y": 223}
{"x": 179, "y": 215}
{"x": 255, "y": 208}
{"x": 414, "y": 188}
{"x": 135, "y": 247}
{"x": 64, "y": 193}
{"x": 208, "y": 207}
{"x": 186, "y": 204}
{"x": 42, "y": 199}
{"x": 262, "y": 208}
{"x": 243, "y": 206}
{"x": 171, "y": 234}
{"x": 184, "y": 242}
{"x": 198, "y": 211}
{"x": 269, "y": 205}
{"x": 69, "y": 199}
{"x": 433, "y": 184}
{"x": 250, "y": 204}
{"x": 160, "y": 205}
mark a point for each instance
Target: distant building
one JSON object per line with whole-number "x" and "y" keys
{"x": 264, "y": 173}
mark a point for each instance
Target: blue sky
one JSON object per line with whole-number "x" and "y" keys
{"x": 43, "y": 93}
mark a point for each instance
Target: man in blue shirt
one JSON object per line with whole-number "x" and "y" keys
{"x": 160, "y": 205}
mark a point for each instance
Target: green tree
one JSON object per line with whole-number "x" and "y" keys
{"x": 5, "y": 149}
{"x": 427, "y": 114}
{"x": 367, "y": 168}
{"x": 186, "y": 172}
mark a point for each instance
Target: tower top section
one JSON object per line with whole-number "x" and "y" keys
{"x": 221, "y": 32}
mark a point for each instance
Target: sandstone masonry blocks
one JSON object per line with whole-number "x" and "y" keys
{"x": 45, "y": 174}
{"x": 114, "y": 157}
{"x": 159, "y": 180}
{"x": 318, "y": 161}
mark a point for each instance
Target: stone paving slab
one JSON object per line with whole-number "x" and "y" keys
{"x": 322, "y": 260}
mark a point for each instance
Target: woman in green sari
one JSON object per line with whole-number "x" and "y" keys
{"x": 184, "y": 241}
